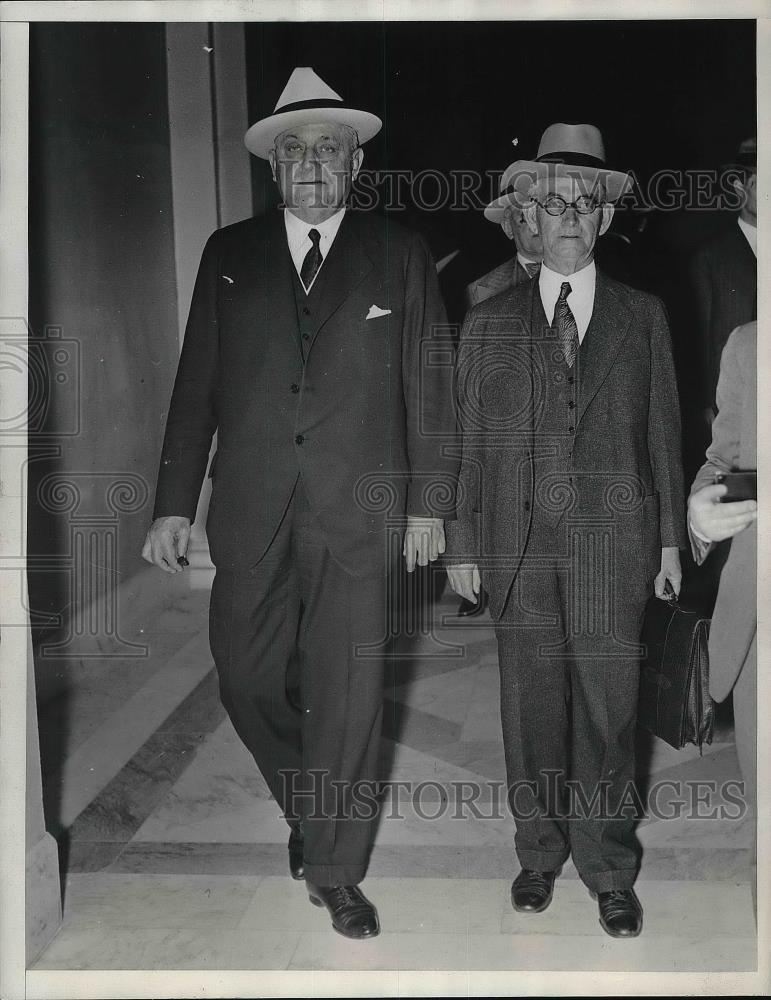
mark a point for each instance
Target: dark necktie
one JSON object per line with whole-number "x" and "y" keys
{"x": 313, "y": 259}
{"x": 565, "y": 325}
{"x": 532, "y": 269}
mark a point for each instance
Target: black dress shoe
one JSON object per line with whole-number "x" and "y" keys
{"x": 531, "y": 891}
{"x": 620, "y": 912}
{"x": 352, "y": 914}
{"x": 296, "y": 866}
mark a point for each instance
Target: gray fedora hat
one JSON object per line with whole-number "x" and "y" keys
{"x": 575, "y": 151}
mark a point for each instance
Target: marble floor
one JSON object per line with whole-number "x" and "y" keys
{"x": 175, "y": 854}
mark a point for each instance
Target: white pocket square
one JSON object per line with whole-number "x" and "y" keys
{"x": 375, "y": 312}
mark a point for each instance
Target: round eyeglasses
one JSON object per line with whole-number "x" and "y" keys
{"x": 555, "y": 204}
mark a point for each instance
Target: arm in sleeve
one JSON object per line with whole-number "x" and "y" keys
{"x": 464, "y": 542}
{"x": 664, "y": 434}
{"x": 427, "y": 369}
{"x": 192, "y": 417}
{"x": 723, "y": 451}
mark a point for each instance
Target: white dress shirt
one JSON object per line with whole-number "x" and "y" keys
{"x": 580, "y": 300}
{"x": 300, "y": 242}
{"x": 751, "y": 233}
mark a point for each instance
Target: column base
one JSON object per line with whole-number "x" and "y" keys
{"x": 43, "y": 896}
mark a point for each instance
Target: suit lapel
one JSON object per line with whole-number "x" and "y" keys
{"x": 606, "y": 333}
{"x": 275, "y": 262}
{"x": 538, "y": 328}
{"x": 347, "y": 263}
{"x": 742, "y": 246}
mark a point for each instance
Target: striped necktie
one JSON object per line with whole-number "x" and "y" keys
{"x": 312, "y": 261}
{"x": 565, "y": 325}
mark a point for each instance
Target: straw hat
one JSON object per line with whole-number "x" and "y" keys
{"x": 307, "y": 100}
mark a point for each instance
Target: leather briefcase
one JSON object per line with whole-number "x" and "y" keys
{"x": 674, "y": 702}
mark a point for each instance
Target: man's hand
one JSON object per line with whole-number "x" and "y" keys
{"x": 166, "y": 541}
{"x": 715, "y": 520}
{"x": 670, "y": 571}
{"x": 465, "y": 581}
{"x": 423, "y": 541}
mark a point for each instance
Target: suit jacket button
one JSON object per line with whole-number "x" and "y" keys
{"x": 294, "y": 387}
{"x": 571, "y": 428}
{"x": 526, "y": 505}
{"x": 299, "y": 439}
{"x": 306, "y": 311}
{"x": 571, "y": 404}
{"x": 306, "y": 336}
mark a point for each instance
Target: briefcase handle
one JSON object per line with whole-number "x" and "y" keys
{"x": 669, "y": 593}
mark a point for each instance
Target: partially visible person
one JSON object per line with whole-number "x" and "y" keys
{"x": 505, "y": 212}
{"x": 724, "y": 276}
{"x": 733, "y": 633}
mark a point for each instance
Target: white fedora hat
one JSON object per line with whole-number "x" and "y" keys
{"x": 307, "y": 100}
{"x": 575, "y": 151}
{"x": 495, "y": 210}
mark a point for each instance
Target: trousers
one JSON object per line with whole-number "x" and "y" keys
{"x": 299, "y": 647}
{"x": 569, "y": 716}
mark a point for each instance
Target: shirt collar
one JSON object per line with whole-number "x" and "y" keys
{"x": 581, "y": 282}
{"x": 297, "y": 230}
{"x": 751, "y": 233}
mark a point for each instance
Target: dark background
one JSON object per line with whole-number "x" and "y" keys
{"x": 674, "y": 94}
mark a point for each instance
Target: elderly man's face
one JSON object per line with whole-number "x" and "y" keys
{"x": 515, "y": 226}
{"x": 568, "y": 239}
{"x": 314, "y": 167}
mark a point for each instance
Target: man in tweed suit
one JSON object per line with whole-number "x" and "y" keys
{"x": 522, "y": 267}
{"x": 570, "y": 513}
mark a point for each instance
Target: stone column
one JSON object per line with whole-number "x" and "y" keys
{"x": 28, "y": 854}
{"x": 211, "y": 180}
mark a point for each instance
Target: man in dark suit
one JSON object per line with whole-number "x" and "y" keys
{"x": 306, "y": 350}
{"x": 724, "y": 275}
{"x": 570, "y": 513}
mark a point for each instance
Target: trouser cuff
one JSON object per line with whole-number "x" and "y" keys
{"x": 620, "y": 878}
{"x": 329, "y": 875}
{"x": 542, "y": 861}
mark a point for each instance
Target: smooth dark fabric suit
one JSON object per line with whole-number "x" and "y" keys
{"x": 571, "y": 484}
{"x": 328, "y": 424}
{"x": 724, "y": 279}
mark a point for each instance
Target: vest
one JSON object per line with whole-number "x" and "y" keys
{"x": 307, "y": 306}
{"x": 555, "y": 429}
